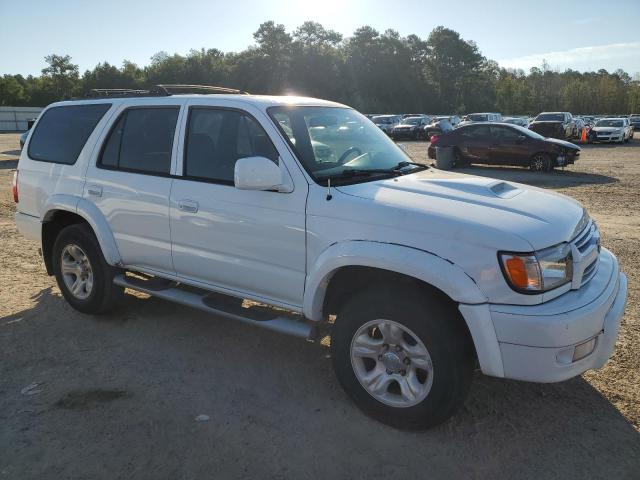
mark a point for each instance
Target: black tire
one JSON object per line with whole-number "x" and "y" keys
{"x": 442, "y": 332}
{"x": 104, "y": 295}
{"x": 541, "y": 162}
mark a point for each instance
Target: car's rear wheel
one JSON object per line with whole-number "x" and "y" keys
{"x": 83, "y": 275}
{"x": 541, "y": 162}
{"x": 402, "y": 356}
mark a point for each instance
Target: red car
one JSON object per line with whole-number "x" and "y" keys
{"x": 505, "y": 144}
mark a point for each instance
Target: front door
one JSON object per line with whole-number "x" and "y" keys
{"x": 242, "y": 242}
{"x": 508, "y": 146}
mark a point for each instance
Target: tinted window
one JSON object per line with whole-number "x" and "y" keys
{"x": 62, "y": 132}
{"x": 142, "y": 140}
{"x": 479, "y": 131}
{"x": 216, "y": 138}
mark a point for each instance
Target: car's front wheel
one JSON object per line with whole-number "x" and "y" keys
{"x": 402, "y": 356}
{"x": 82, "y": 273}
{"x": 541, "y": 162}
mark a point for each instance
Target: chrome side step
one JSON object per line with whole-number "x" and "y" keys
{"x": 223, "y": 305}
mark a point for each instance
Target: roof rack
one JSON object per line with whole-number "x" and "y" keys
{"x": 161, "y": 91}
{"x": 171, "y": 89}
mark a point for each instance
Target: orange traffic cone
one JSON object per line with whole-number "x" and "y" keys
{"x": 583, "y": 137}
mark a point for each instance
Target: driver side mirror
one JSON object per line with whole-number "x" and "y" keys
{"x": 260, "y": 173}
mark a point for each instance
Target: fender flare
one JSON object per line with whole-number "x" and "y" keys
{"x": 410, "y": 261}
{"x": 93, "y": 216}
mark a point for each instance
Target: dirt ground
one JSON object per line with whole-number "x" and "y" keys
{"x": 118, "y": 396}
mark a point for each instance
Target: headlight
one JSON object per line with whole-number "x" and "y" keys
{"x": 538, "y": 271}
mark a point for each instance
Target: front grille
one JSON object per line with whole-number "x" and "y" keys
{"x": 589, "y": 272}
{"x": 587, "y": 250}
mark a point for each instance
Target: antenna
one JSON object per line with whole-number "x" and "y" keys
{"x": 329, "y": 196}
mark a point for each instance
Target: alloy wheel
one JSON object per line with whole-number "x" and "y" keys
{"x": 391, "y": 363}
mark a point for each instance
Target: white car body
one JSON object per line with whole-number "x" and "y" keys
{"x": 283, "y": 247}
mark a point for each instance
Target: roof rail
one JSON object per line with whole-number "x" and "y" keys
{"x": 163, "y": 90}
{"x": 171, "y": 89}
{"x": 119, "y": 92}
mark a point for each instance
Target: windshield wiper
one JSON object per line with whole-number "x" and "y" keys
{"x": 367, "y": 172}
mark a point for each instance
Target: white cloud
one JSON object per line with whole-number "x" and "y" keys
{"x": 612, "y": 56}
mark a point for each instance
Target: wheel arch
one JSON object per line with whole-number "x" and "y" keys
{"x": 64, "y": 210}
{"x": 371, "y": 261}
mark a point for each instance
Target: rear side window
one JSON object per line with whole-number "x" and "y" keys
{"x": 62, "y": 132}
{"x": 141, "y": 141}
{"x": 216, "y": 138}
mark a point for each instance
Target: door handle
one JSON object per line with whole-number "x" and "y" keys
{"x": 188, "y": 206}
{"x": 95, "y": 190}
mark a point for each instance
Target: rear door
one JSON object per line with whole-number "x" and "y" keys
{"x": 130, "y": 182}
{"x": 474, "y": 143}
{"x": 243, "y": 242}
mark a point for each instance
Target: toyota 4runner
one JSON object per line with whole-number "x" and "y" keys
{"x": 301, "y": 216}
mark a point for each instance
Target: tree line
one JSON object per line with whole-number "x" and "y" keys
{"x": 371, "y": 71}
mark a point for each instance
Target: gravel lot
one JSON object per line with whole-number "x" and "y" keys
{"x": 118, "y": 396}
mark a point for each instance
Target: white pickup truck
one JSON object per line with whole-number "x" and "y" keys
{"x": 299, "y": 215}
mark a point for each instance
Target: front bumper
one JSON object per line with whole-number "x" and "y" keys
{"x": 536, "y": 343}
{"x": 618, "y": 137}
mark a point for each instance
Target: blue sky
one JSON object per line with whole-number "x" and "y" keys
{"x": 583, "y": 35}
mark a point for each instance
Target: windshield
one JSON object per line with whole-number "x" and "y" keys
{"x": 332, "y": 140}
{"x": 609, "y": 123}
{"x": 477, "y": 117}
{"x": 382, "y": 119}
{"x": 412, "y": 121}
{"x": 550, "y": 117}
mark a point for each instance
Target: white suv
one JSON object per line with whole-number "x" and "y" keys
{"x": 307, "y": 208}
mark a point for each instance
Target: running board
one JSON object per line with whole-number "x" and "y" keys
{"x": 223, "y": 305}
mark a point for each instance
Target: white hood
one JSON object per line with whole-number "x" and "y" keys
{"x": 483, "y": 210}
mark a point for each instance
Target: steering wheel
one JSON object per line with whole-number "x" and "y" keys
{"x": 343, "y": 158}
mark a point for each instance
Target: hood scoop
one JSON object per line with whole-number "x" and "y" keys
{"x": 478, "y": 186}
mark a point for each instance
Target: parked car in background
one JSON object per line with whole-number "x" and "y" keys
{"x": 504, "y": 144}
{"x": 437, "y": 126}
{"x": 386, "y": 122}
{"x": 520, "y": 121}
{"x": 581, "y": 126}
{"x": 23, "y": 139}
{"x": 480, "y": 117}
{"x": 634, "y": 119}
{"x": 612, "y": 130}
{"x": 558, "y": 125}
{"x": 411, "y": 128}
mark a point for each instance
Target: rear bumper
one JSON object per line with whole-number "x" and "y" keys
{"x": 29, "y": 226}
{"x": 537, "y": 343}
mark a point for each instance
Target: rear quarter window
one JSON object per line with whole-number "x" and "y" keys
{"x": 63, "y": 131}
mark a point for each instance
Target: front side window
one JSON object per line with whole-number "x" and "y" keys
{"x": 141, "y": 141}
{"x": 217, "y": 138}
{"x": 339, "y": 142}
{"x": 504, "y": 134}
{"x": 62, "y": 132}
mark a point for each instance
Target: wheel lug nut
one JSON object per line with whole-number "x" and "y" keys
{"x": 398, "y": 348}
{"x": 403, "y": 373}
{"x": 406, "y": 361}
{"x": 389, "y": 372}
